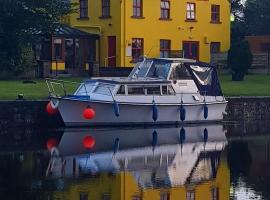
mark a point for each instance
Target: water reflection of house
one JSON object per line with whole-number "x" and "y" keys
{"x": 68, "y": 50}
{"x": 213, "y": 183}
{"x": 188, "y": 171}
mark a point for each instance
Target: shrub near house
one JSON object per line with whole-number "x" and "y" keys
{"x": 239, "y": 59}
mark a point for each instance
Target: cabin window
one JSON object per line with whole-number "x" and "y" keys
{"x": 154, "y": 90}
{"x": 146, "y": 90}
{"x": 84, "y": 89}
{"x": 180, "y": 72}
{"x": 167, "y": 90}
{"x": 104, "y": 89}
{"x": 143, "y": 69}
{"x": 159, "y": 70}
{"x": 121, "y": 90}
{"x": 135, "y": 90}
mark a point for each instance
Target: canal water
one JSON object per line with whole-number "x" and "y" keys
{"x": 152, "y": 163}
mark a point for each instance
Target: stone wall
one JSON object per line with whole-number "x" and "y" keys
{"x": 248, "y": 109}
{"x": 27, "y": 113}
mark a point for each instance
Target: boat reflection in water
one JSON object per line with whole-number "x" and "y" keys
{"x": 165, "y": 163}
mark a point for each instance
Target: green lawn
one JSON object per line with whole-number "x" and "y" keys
{"x": 9, "y": 90}
{"x": 254, "y": 85}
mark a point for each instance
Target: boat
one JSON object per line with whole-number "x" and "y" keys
{"x": 157, "y": 91}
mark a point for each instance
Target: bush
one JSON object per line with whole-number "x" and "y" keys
{"x": 239, "y": 59}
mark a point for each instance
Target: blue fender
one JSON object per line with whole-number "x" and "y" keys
{"x": 154, "y": 138}
{"x": 182, "y": 113}
{"x": 116, "y": 109}
{"x": 155, "y": 112}
{"x": 116, "y": 145}
{"x": 205, "y": 135}
{"x": 182, "y": 135}
{"x": 205, "y": 111}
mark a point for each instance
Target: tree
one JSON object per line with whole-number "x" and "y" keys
{"x": 237, "y": 8}
{"x": 239, "y": 59}
{"x": 257, "y": 17}
{"x": 20, "y": 24}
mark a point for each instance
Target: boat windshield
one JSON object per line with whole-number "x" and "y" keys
{"x": 152, "y": 69}
{"x": 159, "y": 69}
{"x": 140, "y": 69}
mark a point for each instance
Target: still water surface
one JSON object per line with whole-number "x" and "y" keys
{"x": 165, "y": 163}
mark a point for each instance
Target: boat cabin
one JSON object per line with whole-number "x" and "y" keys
{"x": 158, "y": 77}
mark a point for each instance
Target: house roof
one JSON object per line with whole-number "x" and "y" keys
{"x": 67, "y": 31}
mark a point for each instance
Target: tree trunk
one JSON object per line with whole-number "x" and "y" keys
{"x": 238, "y": 76}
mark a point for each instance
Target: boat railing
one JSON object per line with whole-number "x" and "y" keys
{"x": 59, "y": 88}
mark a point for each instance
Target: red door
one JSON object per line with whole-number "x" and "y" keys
{"x": 191, "y": 49}
{"x": 111, "y": 51}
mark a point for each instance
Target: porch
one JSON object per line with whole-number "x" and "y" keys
{"x": 68, "y": 51}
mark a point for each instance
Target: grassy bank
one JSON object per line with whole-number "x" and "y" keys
{"x": 254, "y": 85}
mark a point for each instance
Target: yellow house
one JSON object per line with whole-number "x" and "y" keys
{"x": 129, "y": 29}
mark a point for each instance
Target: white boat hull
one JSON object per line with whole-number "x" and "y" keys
{"x": 136, "y": 114}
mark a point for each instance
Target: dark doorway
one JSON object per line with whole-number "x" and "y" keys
{"x": 70, "y": 56}
{"x": 191, "y": 49}
{"x": 111, "y": 51}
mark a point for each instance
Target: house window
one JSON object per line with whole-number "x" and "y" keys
{"x": 190, "y": 195}
{"x": 215, "y": 194}
{"x": 191, "y": 11}
{"x": 137, "y": 49}
{"x": 191, "y": 49}
{"x": 136, "y": 197}
{"x": 215, "y": 13}
{"x": 106, "y": 197}
{"x": 83, "y": 196}
{"x": 137, "y": 8}
{"x": 164, "y": 196}
{"x": 106, "y": 8}
{"x": 165, "y": 9}
{"x": 265, "y": 47}
{"x": 83, "y": 8}
{"x": 215, "y": 47}
{"x": 165, "y": 48}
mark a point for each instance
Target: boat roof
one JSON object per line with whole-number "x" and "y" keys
{"x": 184, "y": 60}
{"x": 130, "y": 81}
